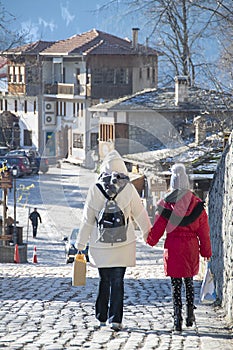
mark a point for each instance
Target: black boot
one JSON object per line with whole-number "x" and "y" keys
{"x": 178, "y": 319}
{"x": 190, "y": 315}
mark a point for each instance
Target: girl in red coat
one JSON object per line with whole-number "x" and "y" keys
{"x": 182, "y": 215}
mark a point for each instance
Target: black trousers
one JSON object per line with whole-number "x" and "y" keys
{"x": 34, "y": 228}
{"x": 109, "y": 302}
{"x": 177, "y": 291}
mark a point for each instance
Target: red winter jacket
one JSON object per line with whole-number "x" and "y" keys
{"x": 184, "y": 218}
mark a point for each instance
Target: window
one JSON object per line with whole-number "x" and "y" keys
{"x": 25, "y": 106}
{"x": 124, "y": 76}
{"x": 61, "y": 108}
{"x": 27, "y": 138}
{"x": 81, "y": 109}
{"x": 64, "y": 75}
{"x": 11, "y": 73}
{"x": 140, "y": 73}
{"x": 16, "y": 106}
{"x": 1, "y": 105}
{"x": 6, "y": 105}
{"x": 14, "y": 75}
{"x": 153, "y": 75}
{"x": 34, "y": 107}
{"x": 97, "y": 76}
{"x": 76, "y": 109}
{"x": 106, "y": 132}
{"x": 58, "y": 72}
{"x": 22, "y": 74}
{"x": 78, "y": 76}
{"x": 148, "y": 72}
{"x": 88, "y": 76}
{"x": 77, "y": 140}
{"x": 110, "y": 76}
{"x": 19, "y": 74}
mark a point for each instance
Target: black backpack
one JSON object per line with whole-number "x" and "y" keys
{"x": 111, "y": 222}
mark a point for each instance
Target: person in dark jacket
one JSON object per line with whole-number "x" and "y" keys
{"x": 34, "y": 217}
{"x": 182, "y": 214}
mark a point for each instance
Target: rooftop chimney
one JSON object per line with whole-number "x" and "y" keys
{"x": 135, "y": 38}
{"x": 200, "y": 130}
{"x": 181, "y": 89}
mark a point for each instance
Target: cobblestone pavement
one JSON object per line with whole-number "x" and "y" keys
{"x": 41, "y": 310}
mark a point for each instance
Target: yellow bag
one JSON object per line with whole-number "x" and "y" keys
{"x": 79, "y": 270}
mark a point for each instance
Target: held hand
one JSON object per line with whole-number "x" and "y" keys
{"x": 150, "y": 242}
{"x": 207, "y": 259}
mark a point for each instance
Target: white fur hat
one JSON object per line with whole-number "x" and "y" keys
{"x": 179, "y": 178}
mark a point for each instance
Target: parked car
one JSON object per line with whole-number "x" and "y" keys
{"x": 70, "y": 249}
{"x": 22, "y": 164}
{"x": 37, "y": 162}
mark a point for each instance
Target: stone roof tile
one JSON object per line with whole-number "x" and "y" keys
{"x": 164, "y": 99}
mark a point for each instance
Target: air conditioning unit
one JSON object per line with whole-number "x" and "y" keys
{"x": 49, "y": 106}
{"x": 50, "y": 119}
{"x": 105, "y": 148}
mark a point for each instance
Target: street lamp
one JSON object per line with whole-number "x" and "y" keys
{"x": 14, "y": 174}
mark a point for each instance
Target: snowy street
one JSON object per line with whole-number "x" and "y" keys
{"x": 41, "y": 310}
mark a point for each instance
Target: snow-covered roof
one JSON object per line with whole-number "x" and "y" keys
{"x": 202, "y": 159}
{"x": 198, "y": 100}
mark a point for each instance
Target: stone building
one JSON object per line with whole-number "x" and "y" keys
{"x": 221, "y": 225}
{"x": 162, "y": 118}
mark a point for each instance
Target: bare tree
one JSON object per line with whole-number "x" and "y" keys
{"x": 8, "y": 37}
{"x": 180, "y": 29}
{"x": 223, "y": 14}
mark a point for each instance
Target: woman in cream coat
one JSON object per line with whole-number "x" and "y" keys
{"x": 112, "y": 259}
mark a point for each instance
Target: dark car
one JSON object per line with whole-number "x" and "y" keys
{"x": 70, "y": 249}
{"x": 22, "y": 164}
{"x": 37, "y": 162}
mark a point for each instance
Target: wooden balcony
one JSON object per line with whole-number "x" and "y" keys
{"x": 59, "y": 89}
{"x": 63, "y": 89}
{"x": 14, "y": 88}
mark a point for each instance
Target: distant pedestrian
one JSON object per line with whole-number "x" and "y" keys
{"x": 112, "y": 259}
{"x": 34, "y": 217}
{"x": 181, "y": 213}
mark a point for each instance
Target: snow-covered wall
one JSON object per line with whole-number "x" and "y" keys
{"x": 221, "y": 225}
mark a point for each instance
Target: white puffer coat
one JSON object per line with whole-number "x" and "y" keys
{"x": 118, "y": 254}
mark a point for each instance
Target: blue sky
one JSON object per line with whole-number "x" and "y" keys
{"x": 53, "y": 20}
{"x": 60, "y": 19}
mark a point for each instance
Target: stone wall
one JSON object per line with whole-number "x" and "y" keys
{"x": 221, "y": 225}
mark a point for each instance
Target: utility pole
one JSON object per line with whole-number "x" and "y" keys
{"x": 5, "y": 183}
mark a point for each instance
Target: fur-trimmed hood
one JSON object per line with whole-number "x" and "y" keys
{"x": 113, "y": 162}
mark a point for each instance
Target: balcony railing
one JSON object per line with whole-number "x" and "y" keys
{"x": 59, "y": 88}
{"x": 63, "y": 89}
